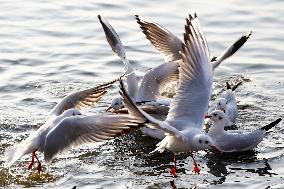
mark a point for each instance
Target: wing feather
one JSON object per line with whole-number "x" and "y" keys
{"x": 77, "y": 130}
{"x": 232, "y": 49}
{"x": 117, "y": 47}
{"x": 82, "y": 99}
{"x": 155, "y": 80}
{"x": 163, "y": 40}
{"x": 195, "y": 80}
{"x": 147, "y": 119}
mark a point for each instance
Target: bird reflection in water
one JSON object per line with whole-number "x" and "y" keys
{"x": 173, "y": 184}
{"x": 217, "y": 164}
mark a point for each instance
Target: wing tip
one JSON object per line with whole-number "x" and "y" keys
{"x": 248, "y": 34}
{"x": 272, "y": 124}
{"x": 137, "y": 18}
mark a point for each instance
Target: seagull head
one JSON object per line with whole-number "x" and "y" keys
{"x": 71, "y": 112}
{"x": 116, "y": 104}
{"x": 202, "y": 142}
{"x": 217, "y": 116}
{"x": 222, "y": 104}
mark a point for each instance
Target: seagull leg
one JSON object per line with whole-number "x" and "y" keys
{"x": 174, "y": 169}
{"x": 196, "y": 168}
{"x": 32, "y": 161}
{"x": 39, "y": 167}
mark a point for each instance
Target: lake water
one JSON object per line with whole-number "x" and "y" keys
{"x": 51, "y": 48}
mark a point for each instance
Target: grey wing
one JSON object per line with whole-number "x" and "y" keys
{"x": 82, "y": 98}
{"x": 232, "y": 107}
{"x": 145, "y": 118}
{"x": 155, "y": 80}
{"x": 195, "y": 80}
{"x": 163, "y": 40}
{"x": 112, "y": 38}
{"x": 117, "y": 47}
{"x": 232, "y": 49}
{"x": 77, "y": 130}
{"x": 234, "y": 142}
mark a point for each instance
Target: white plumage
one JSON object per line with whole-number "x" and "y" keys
{"x": 235, "y": 141}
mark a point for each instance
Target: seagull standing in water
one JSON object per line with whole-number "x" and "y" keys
{"x": 184, "y": 123}
{"x": 235, "y": 140}
{"x": 153, "y": 81}
{"x": 66, "y": 127}
{"x": 170, "y": 46}
{"x": 227, "y": 103}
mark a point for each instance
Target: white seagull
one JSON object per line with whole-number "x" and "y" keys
{"x": 235, "y": 140}
{"x": 184, "y": 123}
{"x": 66, "y": 127}
{"x": 227, "y": 103}
{"x": 170, "y": 46}
{"x": 153, "y": 81}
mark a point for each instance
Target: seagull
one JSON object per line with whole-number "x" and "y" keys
{"x": 184, "y": 123}
{"x": 227, "y": 103}
{"x": 235, "y": 140}
{"x": 66, "y": 127}
{"x": 170, "y": 46}
{"x": 153, "y": 81}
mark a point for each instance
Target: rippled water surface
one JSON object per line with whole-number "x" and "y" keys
{"x": 51, "y": 48}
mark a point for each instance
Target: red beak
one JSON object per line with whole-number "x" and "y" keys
{"x": 208, "y": 116}
{"x": 216, "y": 149}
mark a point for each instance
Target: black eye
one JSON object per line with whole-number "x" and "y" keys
{"x": 215, "y": 114}
{"x": 200, "y": 141}
{"x": 219, "y": 104}
{"x": 206, "y": 141}
{"x": 116, "y": 103}
{"x": 226, "y": 102}
{"x": 220, "y": 118}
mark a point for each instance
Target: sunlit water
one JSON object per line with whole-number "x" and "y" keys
{"x": 51, "y": 48}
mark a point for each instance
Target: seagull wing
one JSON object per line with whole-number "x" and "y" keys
{"x": 155, "y": 80}
{"x": 232, "y": 141}
{"x": 232, "y": 107}
{"x": 191, "y": 101}
{"x": 81, "y": 99}
{"x": 147, "y": 119}
{"x": 232, "y": 49}
{"x": 117, "y": 47}
{"x": 163, "y": 40}
{"x": 77, "y": 130}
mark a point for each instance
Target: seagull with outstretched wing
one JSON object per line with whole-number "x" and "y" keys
{"x": 184, "y": 123}
{"x": 67, "y": 128}
{"x": 153, "y": 82}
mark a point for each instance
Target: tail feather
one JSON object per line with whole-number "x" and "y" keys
{"x": 13, "y": 153}
{"x": 270, "y": 125}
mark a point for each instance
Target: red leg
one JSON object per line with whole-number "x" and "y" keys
{"x": 32, "y": 161}
{"x": 174, "y": 169}
{"x": 196, "y": 169}
{"x": 39, "y": 167}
